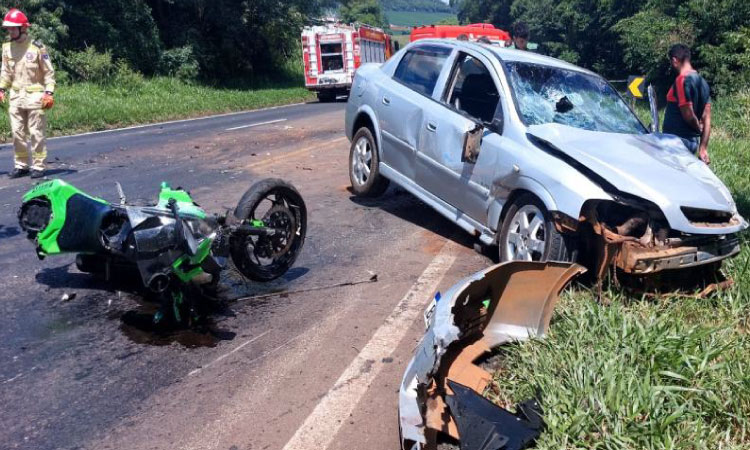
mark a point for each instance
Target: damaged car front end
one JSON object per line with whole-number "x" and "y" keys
{"x": 441, "y": 392}
{"x": 662, "y": 210}
{"x": 637, "y": 240}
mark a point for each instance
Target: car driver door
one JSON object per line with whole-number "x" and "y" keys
{"x": 469, "y": 105}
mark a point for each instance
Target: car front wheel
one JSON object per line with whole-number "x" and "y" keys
{"x": 363, "y": 165}
{"x": 528, "y": 233}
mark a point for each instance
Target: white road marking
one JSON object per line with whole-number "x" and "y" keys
{"x": 12, "y": 379}
{"x": 321, "y": 426}
{"x": 255, "y": 124}
{"x": 171, "y": 122}
{"x": 238, "y": 348}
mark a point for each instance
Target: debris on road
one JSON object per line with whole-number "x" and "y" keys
{"x": 68, "y": 297}
{"x": 373, "y": 279}
{"x": 505, "y": 303}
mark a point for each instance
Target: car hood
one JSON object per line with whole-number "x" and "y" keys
{"x": 655, "y": 167}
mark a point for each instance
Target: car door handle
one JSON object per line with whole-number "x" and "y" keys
{"x": 431, "y": 126}
{"x": 386, "y": 101}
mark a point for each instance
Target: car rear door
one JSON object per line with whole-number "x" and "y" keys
{"x": 402, "y": 103}
{"x": 470, "y": 98}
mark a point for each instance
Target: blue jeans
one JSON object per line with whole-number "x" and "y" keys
{"x": 692, "y": 144}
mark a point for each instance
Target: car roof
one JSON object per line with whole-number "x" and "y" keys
{"x": 508, "y": 54}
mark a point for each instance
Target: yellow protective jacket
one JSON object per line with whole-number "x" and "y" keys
{"x": 27, "y": 73}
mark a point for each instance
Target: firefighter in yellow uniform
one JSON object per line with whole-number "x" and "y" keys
{"x": 28, "y": 80}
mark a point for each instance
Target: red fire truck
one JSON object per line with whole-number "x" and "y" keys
{"x": 473, "y": 32}
{"x": 333, "y": 52}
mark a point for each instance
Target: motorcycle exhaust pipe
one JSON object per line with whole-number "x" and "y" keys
{"x": 158, "y": 283}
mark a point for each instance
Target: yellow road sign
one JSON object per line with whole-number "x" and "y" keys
{"x": 635, "y": 85}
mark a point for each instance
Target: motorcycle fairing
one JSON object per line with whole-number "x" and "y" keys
{"x": 185, "y": 202}
{"x": 58, "y": 193}
{"x": 83, "y": 221}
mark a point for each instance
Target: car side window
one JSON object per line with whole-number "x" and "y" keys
{"x": 420, "y": 68}
{"x": 472, "y": 89}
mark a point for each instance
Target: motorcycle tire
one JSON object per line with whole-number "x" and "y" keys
{"x": 278, "y": 205}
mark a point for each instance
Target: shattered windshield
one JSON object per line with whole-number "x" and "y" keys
{"x": 547, "y": 94}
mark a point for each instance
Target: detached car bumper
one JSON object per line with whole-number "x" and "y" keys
{"x": 505, "y": 303}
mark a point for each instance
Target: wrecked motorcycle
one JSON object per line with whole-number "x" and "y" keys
{"x": 173, "y": 247}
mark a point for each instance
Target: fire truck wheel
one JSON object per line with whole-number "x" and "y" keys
{"x": 326, "y": 96}
{"x": 364, "y": 173}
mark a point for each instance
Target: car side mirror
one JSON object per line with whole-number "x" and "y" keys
{"x": 472, "y": 144}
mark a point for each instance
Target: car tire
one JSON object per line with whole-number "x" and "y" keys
{"x": 529, "y": 234}
{"x": 364, "y": 173}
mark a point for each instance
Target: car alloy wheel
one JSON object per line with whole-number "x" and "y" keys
{"x": 361, "y": 161}
{"x": 526, "y": 237}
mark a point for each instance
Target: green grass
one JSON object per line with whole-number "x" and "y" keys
{"x": 89, "y": 107}
{"x": 402, "y": 39}
{"x": 415, "y": 18}
{"x": 670, "y": 373}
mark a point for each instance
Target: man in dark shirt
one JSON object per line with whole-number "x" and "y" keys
{"x": 688, "y": 113}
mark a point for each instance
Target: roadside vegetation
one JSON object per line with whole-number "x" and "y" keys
{"x": 90, "y": 107}
{"x": 620, "y": 38}
{"x": 639, "y": 372}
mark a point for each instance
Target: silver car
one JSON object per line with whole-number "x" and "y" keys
{"x": 538, "y": 156}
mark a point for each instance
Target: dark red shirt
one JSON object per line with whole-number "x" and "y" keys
{"x": 688, "y": 89}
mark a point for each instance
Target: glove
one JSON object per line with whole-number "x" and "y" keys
{"x": 2, "y": 95}
{"x": 48, "y": 101}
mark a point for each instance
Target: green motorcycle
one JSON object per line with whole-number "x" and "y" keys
{"x": 173, "y": 247}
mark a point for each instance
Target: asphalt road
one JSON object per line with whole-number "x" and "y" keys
{"x": 313, "y": 366}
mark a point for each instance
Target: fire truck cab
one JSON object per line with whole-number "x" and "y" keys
{"x": 333, "y": 52}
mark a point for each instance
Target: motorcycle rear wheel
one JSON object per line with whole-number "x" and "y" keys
{"x": 279, "y": 206}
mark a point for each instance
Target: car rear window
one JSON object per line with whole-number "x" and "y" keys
{"x": 420, "y": 68}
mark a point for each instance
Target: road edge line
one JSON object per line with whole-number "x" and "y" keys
{"x": 169, "y": 122}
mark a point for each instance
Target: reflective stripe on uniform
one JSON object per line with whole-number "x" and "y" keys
{"x": 32, "y": 88}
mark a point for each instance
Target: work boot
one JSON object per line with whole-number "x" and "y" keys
{"x": 37, "y": 173}
{"x": 18, "y": 173}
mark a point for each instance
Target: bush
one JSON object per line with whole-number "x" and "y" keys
{"x": 646, "y": 38}
{"x": 90, "y": 65}
{"x": 180, "y": 62}
{"x": 727, "y": 66}
{"x": 126, "y": 79}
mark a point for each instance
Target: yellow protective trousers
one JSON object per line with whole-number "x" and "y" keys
{"x": 29, "y": 125}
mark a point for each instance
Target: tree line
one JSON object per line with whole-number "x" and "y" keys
{"x": 191, "y": 39}
{"x": 95, "y": 40}
{"x": 101, "y": 40}
{"x": 617, "y": 38}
